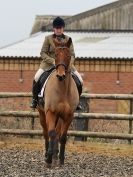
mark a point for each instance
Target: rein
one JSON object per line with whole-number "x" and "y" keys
{"x": 62, "y": 47}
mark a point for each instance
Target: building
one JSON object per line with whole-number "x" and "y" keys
{"x": 114, "y": 16}
{"x": 103, "y": 57}
{"x": 105, "y": 60}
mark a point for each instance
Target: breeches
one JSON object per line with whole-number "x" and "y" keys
{"x": 38, "y": 74}
{"x": 79, "y": 76}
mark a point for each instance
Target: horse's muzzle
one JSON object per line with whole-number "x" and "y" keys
{"x": 61, "y": 78}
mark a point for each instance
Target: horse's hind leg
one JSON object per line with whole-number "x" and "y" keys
{"x": 63, "y": 138}
{"x": 51, "y": 121}
{"x": 45, "y": 131}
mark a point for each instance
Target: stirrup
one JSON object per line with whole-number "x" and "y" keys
{"x": 79, "y": 107}
{"x": 33, "y": 104}
{"x": 40, "y": 101}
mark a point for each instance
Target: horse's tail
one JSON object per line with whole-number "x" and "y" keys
{"x": 63, "y": 109}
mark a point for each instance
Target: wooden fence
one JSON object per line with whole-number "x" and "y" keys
{"x": 79, "y": 116}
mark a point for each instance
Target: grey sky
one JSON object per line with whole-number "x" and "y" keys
{"x": 17, "y": 16}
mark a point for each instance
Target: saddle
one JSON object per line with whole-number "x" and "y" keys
{"x": 43, "y": 78}
{"x": 78, "y": 83}
{"x": 42, "y": 82}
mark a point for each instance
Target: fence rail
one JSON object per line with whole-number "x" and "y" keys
{"x": 70, "y": 133}
{"x": 14, "y": 94}
{"x": 84, "y": 95}
{"x": 25, "y": 114}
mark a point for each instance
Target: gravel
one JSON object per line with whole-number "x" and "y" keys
{"x": 17, "y": 162}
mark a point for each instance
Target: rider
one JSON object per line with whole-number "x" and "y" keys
{"x": 48, "y": 56}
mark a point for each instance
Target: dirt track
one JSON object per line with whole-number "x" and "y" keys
{"x": 24, "y": 158}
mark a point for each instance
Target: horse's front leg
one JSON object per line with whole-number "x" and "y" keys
{"x": 63, "y": 138}
{"x": 51, "y": 120}
{"x": 58, "y": 132}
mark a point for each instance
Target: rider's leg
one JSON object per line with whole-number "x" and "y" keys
{"x": 79, "y": 82}
{"x": 35, "y": 88}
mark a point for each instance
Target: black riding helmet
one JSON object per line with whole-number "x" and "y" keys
{"x": 58, "y": 22}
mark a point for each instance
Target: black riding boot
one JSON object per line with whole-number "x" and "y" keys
{"x": 79, "y": 107}
{"x": 79, "y": 87}
{"x": 35, "y": 94}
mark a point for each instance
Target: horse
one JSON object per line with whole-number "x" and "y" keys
{"x": 61, "y": 99}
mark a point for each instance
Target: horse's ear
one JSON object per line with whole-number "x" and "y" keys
{"x": 69, "y": 42}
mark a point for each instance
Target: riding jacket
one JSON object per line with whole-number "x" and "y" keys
{"x": 48, "y": 52}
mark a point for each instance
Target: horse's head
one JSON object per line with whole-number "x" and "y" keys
{"x": 63, "y": 57}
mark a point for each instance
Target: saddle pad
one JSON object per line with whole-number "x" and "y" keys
{"x": 44, "y": 85}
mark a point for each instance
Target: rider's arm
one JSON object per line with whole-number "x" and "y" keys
{"x": 72, "y": 54}
{"x": 45, "y": 52}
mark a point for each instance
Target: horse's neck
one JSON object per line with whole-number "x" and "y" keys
{"x": 68, "y": 82}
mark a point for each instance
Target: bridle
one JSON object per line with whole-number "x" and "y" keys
{"x": 61, "y": 64}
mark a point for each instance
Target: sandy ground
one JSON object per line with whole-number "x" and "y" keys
{"x": 24, "y": 157}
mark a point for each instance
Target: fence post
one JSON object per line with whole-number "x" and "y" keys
{"x": 32, "y": 123}
{"x": 18, "y": 121}
{"x": 130, "y": 121}
{"x": 82, "y": 125}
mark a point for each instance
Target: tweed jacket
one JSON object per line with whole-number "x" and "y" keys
{"x": 48, "y": 53}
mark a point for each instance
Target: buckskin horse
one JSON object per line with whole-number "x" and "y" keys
{"x": 61, "y": 99}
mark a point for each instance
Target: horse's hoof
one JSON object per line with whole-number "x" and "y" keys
{"x": 48, "y": 165}
{"x": 46, "y": 155}
{"x": 55, "y": 157}
{"x": 48, "y": 161}
{"x": 55, "y": 161}
{"x": 61, "y": 163}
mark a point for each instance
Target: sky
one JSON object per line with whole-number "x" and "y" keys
{"x": 17, "y": 16}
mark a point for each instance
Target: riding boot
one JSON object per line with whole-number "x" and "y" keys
{"x": 79, "y": 87}
{"x": 35, "y": 94}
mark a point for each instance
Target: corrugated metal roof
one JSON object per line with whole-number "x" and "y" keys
{"x": 86, "y": 45}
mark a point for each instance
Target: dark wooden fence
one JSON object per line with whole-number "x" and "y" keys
{"x": 81, "y": 117}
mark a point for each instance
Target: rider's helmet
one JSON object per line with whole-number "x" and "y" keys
{"x": 58, "y": 22}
